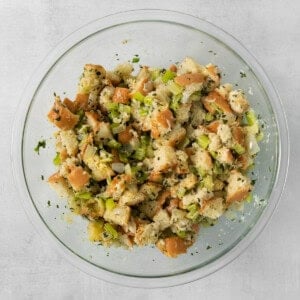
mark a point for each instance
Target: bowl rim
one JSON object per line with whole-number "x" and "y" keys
{"x": 101, "y": 24}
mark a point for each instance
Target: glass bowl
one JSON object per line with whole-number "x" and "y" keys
{"x": 159, "y": 38}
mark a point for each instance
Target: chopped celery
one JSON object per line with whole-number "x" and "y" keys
{"x": 217, "y": 169}
{"x": 249, "y": 198}
{"x": 239, "y": 149}
{"x": 109, "y": 228}
{"x": 168, "y": 75}
{"x": 209, "y": 117}
{"x": 140, "y": 153}
{"x": 175, "y": 88}
{"x": 83, "y": 195}
{"x": 201, "y": 172}
{"x": 135, "y": 60}
{"x": 181, "y": 234}
{"x": 149, "y": 151}
{"x": 192, "y": 207}
{"x": 192, "y": 215}
{"x": 260, "y": 136}
{"x": 143, "y": 111}
{"x": 124, "y": 108}
{"x": 145, "y": 140}
{"x": 114, "y": 114}
{"x": 208, "y": 182}
{"x": 175, "y": 102}
{"x": 184, "y": 143}
{"x": 123, "y": 158}
{"x": 148, "y": 100}
{"x": 139, "y": 174}
{"x": 113, "y": 144}
{"x": 251, "y": 117}
{"x": 110, "y": 204}
{"x": 213, "y": 154}
{"x": 155, "y": 74}
{"x": 57, "y": 159}
{"x": 203, "y": 141}
{"x": 112, "y": 106}
{"x": 105, "y": 156}
{"x": 117, "y": 128}
{"x": 138, "y": 96}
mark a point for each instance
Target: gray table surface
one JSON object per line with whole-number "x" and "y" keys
{"x": 30, "y": 269}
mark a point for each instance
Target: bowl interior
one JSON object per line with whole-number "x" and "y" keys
{"x": 158, "y": 43}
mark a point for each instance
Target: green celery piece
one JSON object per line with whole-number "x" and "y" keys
{"x": 168, "y": 75}
{"x": 109, "y": 228}
{"x": 57, "y": 159}
{"x": 203, "y": 141}
{"x": 110, "y": 204}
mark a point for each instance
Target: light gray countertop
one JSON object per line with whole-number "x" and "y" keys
{"x": 30, "y": 269}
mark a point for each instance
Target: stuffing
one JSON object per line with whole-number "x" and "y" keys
{"x": 149, "y": 155}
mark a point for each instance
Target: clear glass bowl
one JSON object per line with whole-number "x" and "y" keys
{"x": 160, "y": 38}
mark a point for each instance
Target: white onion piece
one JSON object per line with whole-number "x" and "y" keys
{"x": 252, "y": 145}
{"x": 118, "y": 167}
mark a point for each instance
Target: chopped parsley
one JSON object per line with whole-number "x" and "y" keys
{"x": 208, "y": 247}
{"x": 243, "y": 74}
{"x": 136, "y": 59}
{"x": 49, "y": 203}
{"x": 39, "y": 145}
{"x": 42, "y": 177}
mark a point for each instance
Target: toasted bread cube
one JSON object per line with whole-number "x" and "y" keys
{"x": 202, "y": 159}
{"x": 163, "y": 219}
{"x": 161, "y": 122}
{"x": 238, "y": 101}
{"x": 61, "y": 116}
{"x": 173, "y": 246}
{"x": 146, "y": 234}
{"x": 118, "y": 215}
{"x": 224, "y": 132}
{"x": 121, "y": 95}
{"x": 225, "y": 156}
{"x": 69, "y": 141}
{"x": 212, "y": 208}
{"x": 238, "y": 187}
{"x": 214, "y": 100}
{"x": 164, "y": 159}
{"x": 189, "y": 78}
{"x": 91, "y": 78}
{"x": 60, "y": 185}
{"x": 78, "y": 178}
{"x": 188, "y": 65}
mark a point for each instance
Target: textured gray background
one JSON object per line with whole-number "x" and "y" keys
{"x": 30, "y": 269}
